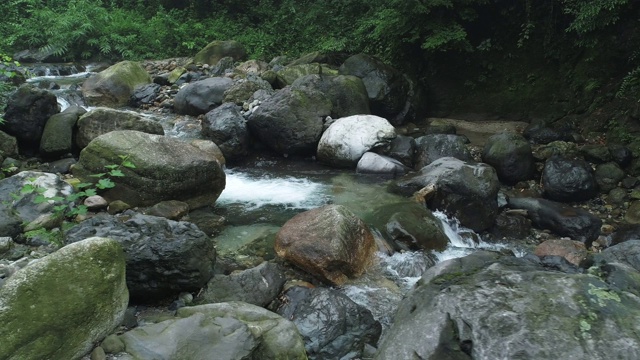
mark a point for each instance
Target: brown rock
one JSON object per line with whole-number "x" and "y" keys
{"x": 329, "y": 242}
{"x": 574, "y": 251}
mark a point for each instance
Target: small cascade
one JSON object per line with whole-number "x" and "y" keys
{"x": 61, "y": 79}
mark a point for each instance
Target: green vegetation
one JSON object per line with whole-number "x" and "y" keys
{"x": 69, "y": 207}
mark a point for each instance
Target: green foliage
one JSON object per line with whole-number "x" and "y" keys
{"x": 70, "y": 206}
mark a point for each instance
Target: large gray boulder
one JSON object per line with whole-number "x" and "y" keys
{"x": 372, "y": 163}
{"x": 391, "y": 94}
{"x": 166, "y": 168}
{"x": 216, "y": 50}
{"x": 486, "y": 307}
{"x": 347, "y": 139}
{"x": 223, "y": 331}
{"x": 329, "y": 242}
{"x": 347, "y": 93}
{"x": 226, "y": 127}
{"x": 100, "y": 121}
{"x": 291, "y": 121}
{"x": 201, "y": 96}
{"x": 57, "y": 137}
{"x": 568, "y": 180}
{"x": 332, "y": 325}
{"x": 627, "y": 252}
{"x": 26, "y": 115}
{"x": 289, "y": 74}
{"x": 461, "y": 189}
{"x": 430, "y": 148}
{"x": 58, "y": 307}
{"x": 114, "y": 86}
{"x": 510, "y": 154}
{"x": 164, "y": 257}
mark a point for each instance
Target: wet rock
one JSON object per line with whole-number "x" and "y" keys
{"x": 329, "y": 242}
{"x": 48, "y": 295}
{"x": 511, "y": 227}
{"x": 347, "y": 94}
{"x": 163, "y": 257}
{"x": 620, "y": 154}
{"x": 114, "y": 86}
{"x": 226, "y": 127}
{"x": 257, "y": 286}
{"x": 216, "y": 50}
{"x": 461, "y": 189}
{"x": 625, "y": 233}
{"x": 201, "y": 96}
{"x": 564, "y": 220}
{"x": 511, "y": 156}
{"x": 486, "y": 308}
{"x": 222, "y": 67}
{"x": 8, "y": 145}
{"x": 410, "y": 226}
{"x": 539, "y": 133}
{"x": 596, "y": 153}
{"x": 347, "y": 139}
{"x": 210, "y": 223}
{"x": 290, "y": 122}
{"x": 568, "y": 180}
{"x": 57, "y": 137}
{"x": 372, "y": 163}
{"x": 332, "y": 326}
{"x": 392, "y": 95}
{"x": 608, "y": 175}
{"x": 26, "y": 115}
{"x": 573, "y": 251}
{"x": 100, "y": 121}
{"x": 224, "y": 331}
{"x": 402, "y": 148}
{"x": 430, "y": 148}
{"x": 145, "y": 95}
{"x": 560, "y": 148}
{"x": 632, "y": 216}
{"x": 166, "y": 168}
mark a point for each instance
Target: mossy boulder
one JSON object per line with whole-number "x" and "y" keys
{"x": 347, "y": 93}
{"x": 216, "y": 50}
{"x": 114, "y": 86}
{"x": 102, "y": 120}
{"x": 166, "y": 168}
{"x": 57, "y": 138}
{"x": 59, "y": 306}
{"x": 289, "y": 74}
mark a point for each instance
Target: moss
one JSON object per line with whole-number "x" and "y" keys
{"x": 602, "y": 295}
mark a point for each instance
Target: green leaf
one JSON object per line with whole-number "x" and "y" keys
{"x": 105, "y": 184}
{"x": 128, "y": 164}
{"x": 91, "y": 192}
{"x": 84, "y": 185}
{"x": 98, "y": 175}
{"x": 39, "y": 199}
{"x": 111, "y": 167}
{"x": 116, "y": 173}
{"x": 27, "y": 189}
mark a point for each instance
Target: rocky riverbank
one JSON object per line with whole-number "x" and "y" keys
{"x": 139, "y": 270}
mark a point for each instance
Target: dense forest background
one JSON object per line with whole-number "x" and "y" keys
{"x": 548, "y": 58}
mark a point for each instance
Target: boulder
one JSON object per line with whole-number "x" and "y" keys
{"x": 114, "y": 86}
{"x": 166, "y": 168}
{"x": 287, "y": 75}
{"x": 608, "y": 175}
{"x": 347, "y": 93}
{"x": 627, "y": 253}
{"x": 59, "y": 306}
{"x": 100, "y": 121}
{"x": 26, "y": 115}
{"x": 430, "y": 148}
{"x": 332, "y": 325}
{"x": 573, "y": 251}
{"x": 144, "y": 95}
{"x": 216, "y": 50}
{"x": 568, "y": 180}
{"x": 372, "y": 163}
{"x": 224, "y": 331}
{"x": 164, "y": 257}
{"x": 8, "y": 145}
{"x": 461, "y": 189}
{"x": 564, "y": 220}
{"x": 410, "y": 226}
{"x": 57, "y": 137}
{"x": 171, "y": 209}
{"x": 347, "y": 139}
{"x": 402, "y": 148}
{"x": 258, "y": 286}
{"x": 391, "y": 94}
{"x": 226, "y": 127}
{"x": 484, "y": 306}
{"x": 291, "y": 121}
{"x": 510, "y": 154}
{"x": 242, "y": 89}
{"x": 201, "y": 96}
{"x": 329, "y": 242}
{"x": 540, "y": 133}
{"x": 621, "y": 154}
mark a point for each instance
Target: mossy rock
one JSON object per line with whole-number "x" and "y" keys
{"x": 59, "y": 306}
{"x": 216, "y": 50}
{"x": 113, "y": 87}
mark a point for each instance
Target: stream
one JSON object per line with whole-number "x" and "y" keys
{"x": 265, "y": 191}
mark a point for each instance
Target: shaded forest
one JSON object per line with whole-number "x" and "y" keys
{"x": 524, "y": 59}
